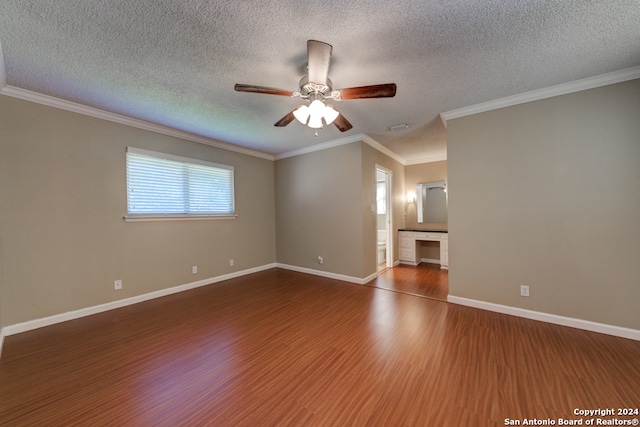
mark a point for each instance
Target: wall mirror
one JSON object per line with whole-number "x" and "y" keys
{"x": 432, "y": 201}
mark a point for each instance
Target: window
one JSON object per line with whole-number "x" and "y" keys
{"x": 171, "y": 187}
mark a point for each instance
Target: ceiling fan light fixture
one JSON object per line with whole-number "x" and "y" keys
{"x": 314, "y": 114}
{"x": 302, "y": 114}
{"x": 315, "y": 121}
{"x": 316, "y": 88}
{"x": 316, "y": 108}
{"x": 330, "y": 114}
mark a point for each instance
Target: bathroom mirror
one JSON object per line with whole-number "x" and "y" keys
{"x": 431, "y": 201}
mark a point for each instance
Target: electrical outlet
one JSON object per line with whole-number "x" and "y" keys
{"x": 231, "y": 262}
{"x": 117, "y": 285}
{"x": 194, "y": 269}
{"x": 524, "y": 291}
{"x": 320, "y": 260}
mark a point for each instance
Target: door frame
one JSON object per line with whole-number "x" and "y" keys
{"x": 389, "y": 207}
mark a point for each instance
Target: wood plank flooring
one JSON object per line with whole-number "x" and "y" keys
{"x": 425, "y": 280}
{"x": 281, "y": 348}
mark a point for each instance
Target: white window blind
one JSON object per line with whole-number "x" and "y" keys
{"x": 163, "y": 184}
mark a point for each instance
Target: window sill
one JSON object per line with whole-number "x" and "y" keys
{"x": 146, "y": 218}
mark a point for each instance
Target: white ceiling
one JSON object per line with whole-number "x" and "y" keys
{"x": 175, "y": 62}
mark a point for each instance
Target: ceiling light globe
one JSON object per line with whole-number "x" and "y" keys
{"x": 330, "y": 114}
{"x": 316, "y": 113}
{"x": 316, "y": 108}
{"x": 302, "y": 114}
{"x": 315, "y": 121}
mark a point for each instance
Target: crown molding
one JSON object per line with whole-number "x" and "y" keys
{"x": 51, "y": 101}
{"x": 375, "y": 144}
{"x": 549, "y": 92}
{"x": 361, "y": 137}
{"x": 62, "y": 104}
{"x": 429, "y": 159}
{"x": 320, "y": 147}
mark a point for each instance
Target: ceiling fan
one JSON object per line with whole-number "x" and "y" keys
{"x": 316, "y": 88}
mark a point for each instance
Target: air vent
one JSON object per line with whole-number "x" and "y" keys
{"x": 399, "y": 126}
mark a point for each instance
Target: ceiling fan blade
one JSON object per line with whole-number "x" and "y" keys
{"x": 286, "y": 119}
{"x": 386, "y": 90}
{"x": 261, "y": 89}
{"x": 318, "y": 62}
{"x": 342, "y": 123}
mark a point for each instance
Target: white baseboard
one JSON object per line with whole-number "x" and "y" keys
{"x": 328, "y": 274}
{"x": 602, "y": 328}
{"x": 1, "y": 340}
{"x": 76, "y": 314}
{"x": 88, "y": 311}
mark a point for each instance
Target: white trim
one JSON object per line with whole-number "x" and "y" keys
{"x": 361, "y": 137}
{"x": 186, "y": 217}
{"x": 369, "y": 278}
{"x": 62, "y": 104}
{"x": 586, "y": 325}
{"x": 88, "y": 311}
{"x": 442, "y": 118}
{"x": 389, "y": 215}
{"x": 3, "y": 76}
{"x": 328, "y": 274}
{"x": 430, "y": 159}
{"x": 549, "y": 92}
{"x": 1, "y": 340}
{"x": 320, "y": 147}
{"x": 384, "y": 150}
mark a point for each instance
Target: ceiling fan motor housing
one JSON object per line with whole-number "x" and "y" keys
{"x": 307, "y": 88}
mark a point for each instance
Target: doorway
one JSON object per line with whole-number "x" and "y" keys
{"x": 384, "y": 240}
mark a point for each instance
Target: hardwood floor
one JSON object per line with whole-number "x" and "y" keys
{"x": 425, "y": 280}
{"x": 280, "y": 348}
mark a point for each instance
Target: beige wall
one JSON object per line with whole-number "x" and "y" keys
{"x": 62, "y": 199}
{"x": 370, "y": 158}
{"x": 319, "y": 210}
{"x": 323, "y": 205}
{"x": 547, "y": 194}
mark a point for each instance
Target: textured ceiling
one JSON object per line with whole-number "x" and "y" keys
{"x": 175, "y": 63}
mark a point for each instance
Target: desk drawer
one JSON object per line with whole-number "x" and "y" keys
{"x": 407, "y": 255}
{"x": 427, "y": 236}
{"x": 407, "y": 244}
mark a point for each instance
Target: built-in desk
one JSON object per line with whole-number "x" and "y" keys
{"x": 408, "y": 241}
